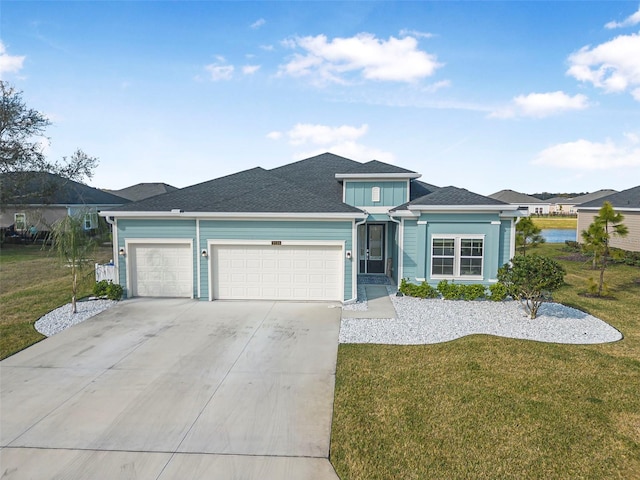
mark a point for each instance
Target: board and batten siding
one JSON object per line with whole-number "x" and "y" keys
{"x": 153, "y": 229}
{"x": 418, "y": 236}
{"x": 275, "y": 230}
{"x": 392, "y": 194}
{"x": 630, "y": 243}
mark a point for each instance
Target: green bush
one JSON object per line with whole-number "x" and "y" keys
{"x": 531, "y": 279}
{"x": 424, "y": 290}
{"x": 459, "y": 291}
{"x": 498, "y": 292}
{"x": 106, "y": 288}
{"x": 100, "y": 288}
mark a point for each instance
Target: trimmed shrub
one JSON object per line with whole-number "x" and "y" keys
{"x": 106, "y": 288}
{"x": 498, "y": 292}
{"x": 458, "y": 291}
{"x": 424, "y": 290}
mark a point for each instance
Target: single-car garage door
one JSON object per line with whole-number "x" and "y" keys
{"x": 161, "y": 270}
{"x": 282, "y": 272}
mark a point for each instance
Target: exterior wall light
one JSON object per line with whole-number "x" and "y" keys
{"x": 121, "y": 251}
{"x": 204, "y": 253}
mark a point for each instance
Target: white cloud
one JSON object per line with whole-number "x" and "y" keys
{"x": 258, "y": 23}
{"x": 9, "y": 63}
{"x": 220, "y": 72}
{"x": 613, "y": 66}
{"x": 303, "y": 133}
{"x": 630, "y": 21}
{"x": 325, "y": 61}
{"x": 250, "y": 69}
{"x": 434, "y": 87}
{"x": 540, "y": 105}
{"x": 267, "y": 48}
{"x": 339, "y": 140}
{"x": 415, "y": 33}
{"x": 586, "y": 155}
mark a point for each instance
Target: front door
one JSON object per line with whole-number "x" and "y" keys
{"x": 371, "y": 248}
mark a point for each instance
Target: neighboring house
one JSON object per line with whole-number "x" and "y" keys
{"x": 39, "y": 199}
{"x": 142, "y": 191}
{"x": 567, "y": 206}
{"x": 533, "y": 205}
{"x": 305, "y": 231}
{"x": 627, "y": 203}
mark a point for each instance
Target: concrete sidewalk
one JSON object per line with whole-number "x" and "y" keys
{"x": 172, "y": 389}
{"x": 378, "y": 304}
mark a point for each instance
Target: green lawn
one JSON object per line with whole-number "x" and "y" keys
{"x": 556, "y": 222}
{"x": 488, "y": 407}
{"x": 32, "y": 283}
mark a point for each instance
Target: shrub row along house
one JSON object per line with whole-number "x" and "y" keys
{"x": 305, "y": 231}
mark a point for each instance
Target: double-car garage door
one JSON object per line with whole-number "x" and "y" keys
{"x": 239, "y": 272}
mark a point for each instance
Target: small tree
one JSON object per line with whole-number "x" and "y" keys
{"x": 531, "y": 279}
{"x": 597, "y": 237}
{"x": 74, "y": 247}
{"x": 527, "y": 234}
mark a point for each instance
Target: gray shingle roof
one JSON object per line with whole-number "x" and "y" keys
{"x": 510, "y": 196}
{"x": 452, "y": 196}
{"x": 43, "y": 188}
{"x": 141, "y": 191}
{"x": 420, "y": 189}
{"x": 375, "y": 166}
{"x": 629, "y": 198}
{"x": 255, "y": 190}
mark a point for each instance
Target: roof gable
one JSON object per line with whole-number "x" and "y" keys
{"x": 454, "y": 196}
{"x": 511, "y": 196}
{"x": 629, "y": 198}
{"x": 141, "y": 191}
{"x": 44, "y": 188}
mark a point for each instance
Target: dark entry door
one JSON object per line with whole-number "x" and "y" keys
{"x": 371, "y": 248}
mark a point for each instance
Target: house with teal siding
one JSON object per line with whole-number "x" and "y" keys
{"x": 306, "y": 231}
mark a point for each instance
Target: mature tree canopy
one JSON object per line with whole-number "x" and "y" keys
{"x": 22, "y": 138}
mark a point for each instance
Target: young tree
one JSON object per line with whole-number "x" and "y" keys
{"x": 530, "y": 280}
{"x": 527, "y": 234}
{"x": 22, "y": 135}
{"x": 597, "y": 237}
{"x": 74, "y": 248}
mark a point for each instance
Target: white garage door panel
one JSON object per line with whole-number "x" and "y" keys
{"x": 161, "y": 270}
{"x": 283, "y": 272}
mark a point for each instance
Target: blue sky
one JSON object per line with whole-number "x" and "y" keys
{"x": 532, "y": 96}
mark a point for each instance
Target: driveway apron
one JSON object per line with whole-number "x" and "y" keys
{"x": 175, "y": 389}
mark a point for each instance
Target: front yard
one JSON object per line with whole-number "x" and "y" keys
{"x": 488, "y": 407}
{"x": 32, "y": 283}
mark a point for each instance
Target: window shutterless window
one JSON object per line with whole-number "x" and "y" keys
{"x": 457, "y": 256}
{"x": 20, "y": 221}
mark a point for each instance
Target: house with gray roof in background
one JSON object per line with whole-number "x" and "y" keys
{"x": 627, "y": 202}
{"x": 567, "y": 205}
{"x": 141, "y": 191}
{"x": 306, "y": 231}
{"x": 533, "y": 205}
{"x": 39, "y": 199}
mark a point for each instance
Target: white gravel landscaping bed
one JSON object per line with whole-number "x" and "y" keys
{"x": 425, "y": 321}
{"x": 61, "y": 318}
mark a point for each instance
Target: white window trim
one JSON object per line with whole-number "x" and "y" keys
{"x": 456, "y": 259}
{"x": 93, "y": 221}
{"x": 375, "y": 194}
{"x": 24, "y": 221}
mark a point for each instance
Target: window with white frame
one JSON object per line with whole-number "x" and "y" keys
{"x": 90, "y": 221}
{"x": 457, "y": 256}
{"x": 375, "y": 194}
{"x": 20, "y": 222}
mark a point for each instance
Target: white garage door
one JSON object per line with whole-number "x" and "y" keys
{"x": 283, "y": 272}
{"x": 161, "y": 270}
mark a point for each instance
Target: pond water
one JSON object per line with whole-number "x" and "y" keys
{"x": 558, "y": 235}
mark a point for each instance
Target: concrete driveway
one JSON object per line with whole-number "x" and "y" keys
{"x": 175, "y": 389}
